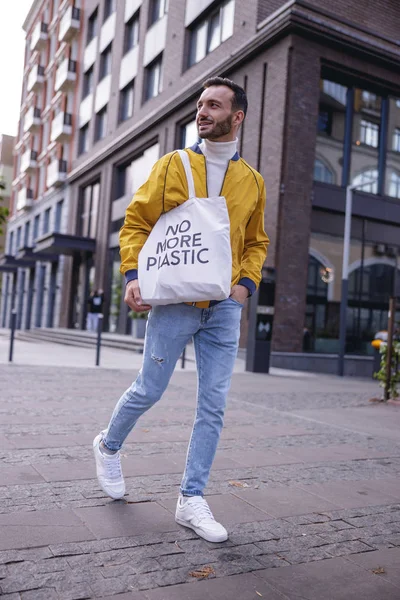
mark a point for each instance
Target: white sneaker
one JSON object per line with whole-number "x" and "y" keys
{"x": 109, "y": 472}
{"x": 194, "y": 512}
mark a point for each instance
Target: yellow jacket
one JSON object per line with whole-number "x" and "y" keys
{"x": 166, "y": 188}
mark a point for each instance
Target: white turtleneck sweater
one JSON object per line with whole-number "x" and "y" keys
{"x": 218, "y": 155}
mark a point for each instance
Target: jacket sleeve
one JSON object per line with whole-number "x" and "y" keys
{"x": 141, "y": 215}
{"x": 255, "y": 245}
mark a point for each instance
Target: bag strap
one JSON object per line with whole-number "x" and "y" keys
{"x": 188, "y": 170}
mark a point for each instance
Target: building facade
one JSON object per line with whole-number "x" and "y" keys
{"x": 32, "y": 279}
{"x": 6, "y": 176}
{"x": 324, "y": 113}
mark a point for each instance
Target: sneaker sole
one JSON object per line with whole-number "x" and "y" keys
{"x": 200, "y": 532}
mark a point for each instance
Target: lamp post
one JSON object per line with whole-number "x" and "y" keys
{"x": 345, "y": 272}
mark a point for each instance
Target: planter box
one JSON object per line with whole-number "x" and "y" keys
{"x": 139, "y": 328}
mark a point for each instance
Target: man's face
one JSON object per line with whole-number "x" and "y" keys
{"x": 214, "y": 113}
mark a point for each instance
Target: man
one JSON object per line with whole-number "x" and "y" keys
{"x": 95, "y": 308}
{"x": 214, "y": 326}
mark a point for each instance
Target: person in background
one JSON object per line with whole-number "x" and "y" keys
{"x": 95, "y": 308}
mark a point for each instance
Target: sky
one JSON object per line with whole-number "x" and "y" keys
{"x": 12, "y": 50}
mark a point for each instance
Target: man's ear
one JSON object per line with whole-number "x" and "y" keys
{"x": 238, "y": 117}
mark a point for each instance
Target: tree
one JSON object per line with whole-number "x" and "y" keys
{"x": 3, "y": 209}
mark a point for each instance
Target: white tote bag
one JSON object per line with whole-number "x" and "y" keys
{"x": 187, "y": 256}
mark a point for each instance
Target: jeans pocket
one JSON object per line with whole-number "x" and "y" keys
{"x": 235, "y": 302}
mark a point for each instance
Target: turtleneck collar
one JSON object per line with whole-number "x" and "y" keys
{"x": 219, "y": 152}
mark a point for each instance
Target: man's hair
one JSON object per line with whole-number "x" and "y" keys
{"x": 239, "y": 99}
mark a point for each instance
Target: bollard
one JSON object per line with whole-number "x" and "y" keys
{"x": 13, "y": 323}
{"x": 183, "y": 357}
{"x": 98, "y": 344}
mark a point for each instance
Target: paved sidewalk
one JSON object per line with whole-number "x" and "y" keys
{"x": 306, "y": 480}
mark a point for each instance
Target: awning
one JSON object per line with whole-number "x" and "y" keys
{"x": 27, "y": 254}
{"x": 9, "y": 263}
{"x": 63, "y": 244}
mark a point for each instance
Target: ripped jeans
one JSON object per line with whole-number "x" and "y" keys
{"x": 215, "y": 332}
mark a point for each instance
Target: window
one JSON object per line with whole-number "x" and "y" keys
{"x": 57, "y": 223}
{"x": 36, "y": 224}
{"x": 26, "y": 233}
{"x": 322, "y": 172}
{"x": 131, "y": 33}
{"x": 105, "y": 62}
{"x": 189, "y": 134}
{"x": 330, "y": 132}
{"x": 211, "y": 32}
{"x": 92, "y": 26}
{"x": 369, "y": 133}
{"x": 18, "y": 243}
{"x": 83, "y": 145}
{"x": 101, "y": 124}
{"x": 11, "y": 243}
{"x": 158, "y": 8}
{"x": 89, "y": 210}
{"x": 87, "y": 85}
{"x": 396, "y": 140}
{"x": 126, "y": 102}
{"x": 367, "y": 181}
{"x": 46, "y": 221}
{"x": 154, "y": 79}
{"x": 109, "y": 8}
{"x": 394, "y": 185}
{"x": 365, "y": 139}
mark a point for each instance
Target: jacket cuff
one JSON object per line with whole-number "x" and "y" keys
{"x": 131, "y": 275}
{"x": 249, "y": 284}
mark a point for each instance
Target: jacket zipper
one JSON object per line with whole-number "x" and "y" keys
{"x": 223, "y": 183}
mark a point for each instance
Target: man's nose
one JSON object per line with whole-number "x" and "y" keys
{"x": 202, "y": 113}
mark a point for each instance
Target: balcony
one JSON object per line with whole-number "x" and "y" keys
{"x": 39, "y": 36}
{"x": 61, "y": 128}
{"x": 35, "y": 78}
{"x": 28, "y": 161}
{"x": 69, "y": 24}
{"x": 32, "y": 119}
{"x": 24, "y": 199}
{"x": 65, "y": 75}
{"x": 56, "y": 173}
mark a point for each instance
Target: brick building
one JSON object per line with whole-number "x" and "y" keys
{"x": 6, "y": 175}
{"x": 324, "y": 93}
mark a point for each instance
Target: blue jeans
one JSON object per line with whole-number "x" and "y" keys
{"x": 215, "y": 332}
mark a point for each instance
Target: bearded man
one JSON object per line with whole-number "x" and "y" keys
{"x": 214, "y": 326}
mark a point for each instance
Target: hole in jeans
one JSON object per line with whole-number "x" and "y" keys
{"x": 157, "y": 359}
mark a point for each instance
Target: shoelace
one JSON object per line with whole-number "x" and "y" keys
{"x": 113, "y": 466}
{"x": 202, "y": 510}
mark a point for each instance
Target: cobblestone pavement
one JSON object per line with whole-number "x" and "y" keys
{"x": 306, "y": 480}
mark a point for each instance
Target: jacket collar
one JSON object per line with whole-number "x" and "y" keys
{"x": 196, "y": 148}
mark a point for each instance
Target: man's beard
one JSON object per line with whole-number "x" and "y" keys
{"x": 219, "y": 129}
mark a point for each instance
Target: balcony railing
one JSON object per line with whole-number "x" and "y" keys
{"x": 24, "y": 199}
{"x": 61, "y": 128}
{"x": 56, "y": 173}
{"x": 69, "y": 24}
{"x": 32, "y": 119}
{"x": 29, "y": 161}
{"x": 39, "y": 36}
{"x": 65, "y": 75}
{"x": 35, "y": 78}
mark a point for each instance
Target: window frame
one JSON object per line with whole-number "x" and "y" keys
{"x": 88, "y": 82}
{"x": 83, "y": 136}
{"x": 105, "y": 66}
{"x": 157, "y": 15}
{"x": 134, "y": 20}
{"x": 100, "y": 115}
{"x": 207, "y": 21}
{"x": 130, "y": 87}
{"x": 396, "y": 140}
{"x": 92, "y": 27}
{"x": 158, "y": 61}
{"x": 109, "y": 9}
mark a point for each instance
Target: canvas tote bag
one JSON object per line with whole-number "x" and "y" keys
{"x": 187, "y": 256}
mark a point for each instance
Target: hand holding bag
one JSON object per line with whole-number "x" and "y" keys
{"x": 187, "y": 256}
